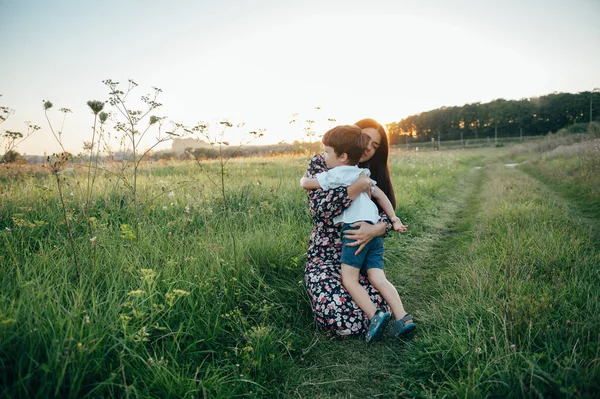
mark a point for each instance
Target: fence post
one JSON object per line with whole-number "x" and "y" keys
{"x": 496, "y": 134}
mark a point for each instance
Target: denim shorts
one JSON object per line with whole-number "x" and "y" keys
{"x": 371, "y": 256}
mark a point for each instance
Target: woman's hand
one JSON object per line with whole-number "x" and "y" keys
{"x": 365, "y": 233}
{"x": 363, "y": 183}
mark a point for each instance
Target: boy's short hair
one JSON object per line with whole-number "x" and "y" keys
{"x": 347, "y": 139}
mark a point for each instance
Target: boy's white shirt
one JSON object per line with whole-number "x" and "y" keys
{"x": 362, "y": 208}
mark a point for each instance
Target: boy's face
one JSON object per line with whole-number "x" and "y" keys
{"x": 332, "y": 159}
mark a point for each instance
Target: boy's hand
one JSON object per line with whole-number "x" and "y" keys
{"x": 397, "y": 225}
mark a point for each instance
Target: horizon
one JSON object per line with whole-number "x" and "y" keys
{"x": 261, "y": 62}
{"x": 302, "y": 139}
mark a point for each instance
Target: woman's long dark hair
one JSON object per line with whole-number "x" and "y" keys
{"x": 378, "y": 164}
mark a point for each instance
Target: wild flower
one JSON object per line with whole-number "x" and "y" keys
{"x": 95, "y": 106}
{"x": 152, "y": 362}
{"x": 478, "y": 350}
{"x": 159, "y": 307}
{"x": 147, "y": 275}
{"x": 492, "y": 339}
{"x": 513, "y": 347}
{"x": 127, "y": 232}
{"x": 171, "y": 194}
{"x": 174, "y": 294}
{"x": 162, "y": 361}
{"x": 142, "y": 335}
{"x": 136, "y": 293}
{"x": 258, "y": 332}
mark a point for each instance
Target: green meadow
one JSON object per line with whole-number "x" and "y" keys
{"x": 197, "y": 292}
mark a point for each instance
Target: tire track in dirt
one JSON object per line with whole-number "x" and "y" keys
{"x": 572, "y": 205}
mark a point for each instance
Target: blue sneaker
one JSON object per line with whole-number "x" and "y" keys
{"x": 401, "y": 328}
{"x": 377, "y": 325}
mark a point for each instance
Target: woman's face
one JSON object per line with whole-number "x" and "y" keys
{"x": 373, "y": 144}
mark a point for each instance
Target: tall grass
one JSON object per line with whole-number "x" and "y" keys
{"x": 174, "y": 312}
{"x": 517, "y": 316}
{"x": 175, "y": 295}
{"x": 575, "y": 176}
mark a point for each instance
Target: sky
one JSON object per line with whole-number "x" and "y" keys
{"x": 262, "y": 61}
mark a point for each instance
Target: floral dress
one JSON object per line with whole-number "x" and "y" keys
{"x": 333, "y": 307}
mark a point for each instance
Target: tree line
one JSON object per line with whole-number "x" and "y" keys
{"x": 506, "y": 118}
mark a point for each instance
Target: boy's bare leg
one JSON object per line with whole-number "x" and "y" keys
{"x": 388, "y": 291}
{"x": 359, "y": 293}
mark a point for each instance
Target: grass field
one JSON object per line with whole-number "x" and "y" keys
{"x": 193, "y": 295}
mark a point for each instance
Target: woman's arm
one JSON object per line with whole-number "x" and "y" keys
{"x": 363, "y": 183}
{"x": 327, "y": 204}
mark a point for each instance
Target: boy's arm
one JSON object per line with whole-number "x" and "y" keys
{"x": 387, "y": 207}
{"x": 383, "y": 202}
{"x": 308, "y": 183}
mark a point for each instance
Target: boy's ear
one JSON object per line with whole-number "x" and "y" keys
{"x": 343, "y": 158}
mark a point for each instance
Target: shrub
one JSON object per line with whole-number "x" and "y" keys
{"x": 13, "y": 156}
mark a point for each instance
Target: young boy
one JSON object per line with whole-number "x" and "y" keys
{"x": 344, "y": 146}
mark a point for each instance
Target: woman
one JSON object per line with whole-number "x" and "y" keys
{"x": 333, "y": 307}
